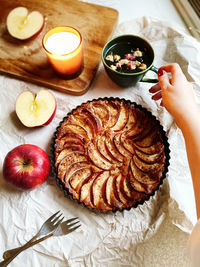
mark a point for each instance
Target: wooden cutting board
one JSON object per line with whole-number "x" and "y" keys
{"x": 26, "y": 59}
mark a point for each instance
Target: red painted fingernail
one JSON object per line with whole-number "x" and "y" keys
{"x": 160, "y": 72}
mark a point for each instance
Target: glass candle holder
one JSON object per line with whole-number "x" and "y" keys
{"x": 64, "y": 49}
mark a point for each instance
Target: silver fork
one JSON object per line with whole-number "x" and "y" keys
{"x": 48, "y": 227}
{"x": 63, "y": 228}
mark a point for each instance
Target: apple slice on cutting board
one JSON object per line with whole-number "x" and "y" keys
{"x": 35, "y": 109}
{"x": 24, "y": 25}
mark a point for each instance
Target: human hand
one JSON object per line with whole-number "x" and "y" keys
{"x": 176, "y": 92}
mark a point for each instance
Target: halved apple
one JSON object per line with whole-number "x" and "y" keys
{"x": 35, "y": 110}
{"x": 24, "y": 25}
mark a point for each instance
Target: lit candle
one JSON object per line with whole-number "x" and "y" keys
{"x": 63, "y": 47}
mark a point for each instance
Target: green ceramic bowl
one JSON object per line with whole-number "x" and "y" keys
{"x": 122, "y": 45}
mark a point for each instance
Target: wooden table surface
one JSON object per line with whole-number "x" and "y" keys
{"x": 26, "y": 59}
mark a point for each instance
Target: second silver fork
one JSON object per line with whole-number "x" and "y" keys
{"x": 63, "y": 228}
{"x": 48, "y": 227}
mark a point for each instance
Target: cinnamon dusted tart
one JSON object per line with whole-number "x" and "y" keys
{"x": 110, "y": 154}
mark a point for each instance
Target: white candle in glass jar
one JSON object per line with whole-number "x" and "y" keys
{"x": 64, "y": 49}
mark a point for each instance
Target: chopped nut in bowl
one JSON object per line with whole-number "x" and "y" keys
{"x": 127, "y": 58}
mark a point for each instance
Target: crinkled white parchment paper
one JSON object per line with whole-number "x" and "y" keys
{"x": 103, "y": 239}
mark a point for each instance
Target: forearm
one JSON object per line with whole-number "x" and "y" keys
{"x": 179, "y": 99}
{"x": 190, "y": 128}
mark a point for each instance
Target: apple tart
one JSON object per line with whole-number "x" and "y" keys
{"x": 110, "y": 154}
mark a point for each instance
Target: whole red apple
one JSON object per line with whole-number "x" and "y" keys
{"x": 26, "y": 166}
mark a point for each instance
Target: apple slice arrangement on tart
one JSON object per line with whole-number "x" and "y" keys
{"x": 110, "y": 154}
